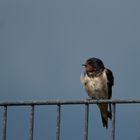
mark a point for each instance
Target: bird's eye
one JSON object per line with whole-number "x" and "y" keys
{"x": 89, "y": 62}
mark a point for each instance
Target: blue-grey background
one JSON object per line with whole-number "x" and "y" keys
{"x": 42, "y": 46}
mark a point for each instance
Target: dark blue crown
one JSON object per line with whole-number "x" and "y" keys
{"x": 96, "y": 63}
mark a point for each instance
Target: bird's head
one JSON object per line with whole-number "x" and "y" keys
{"x": 93, "y": 65}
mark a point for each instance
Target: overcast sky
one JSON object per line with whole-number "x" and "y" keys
{"x": 42, "y": 46}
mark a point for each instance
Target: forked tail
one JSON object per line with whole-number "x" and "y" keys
{"x": 105, "y": 114}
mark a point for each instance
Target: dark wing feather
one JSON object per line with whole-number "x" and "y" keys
{"x": 110, "y": 83}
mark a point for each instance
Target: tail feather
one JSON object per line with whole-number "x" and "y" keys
{"x": 105, "y": 114}
{"x": 104, "y": 121}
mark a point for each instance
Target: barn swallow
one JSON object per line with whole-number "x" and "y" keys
{"x": 98, "y": 81}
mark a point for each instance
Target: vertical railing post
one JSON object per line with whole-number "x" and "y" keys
{"x": 113, "y": 121}
{"x": 31, "y": 123}
{"x": 58, "y": 122}
{"x": 4, "y": 125}
{"x": 86, "y": 121}
{"x": 139, "y": 132}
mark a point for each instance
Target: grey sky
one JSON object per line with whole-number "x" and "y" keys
{"x": 43, "y": 44}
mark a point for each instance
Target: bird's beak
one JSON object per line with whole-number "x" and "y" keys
{"x": 84, "y": 65}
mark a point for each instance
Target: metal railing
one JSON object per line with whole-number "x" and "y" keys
{"x": 60, "y": 103}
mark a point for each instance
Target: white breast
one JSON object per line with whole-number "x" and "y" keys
{"x": 96, "y": 87}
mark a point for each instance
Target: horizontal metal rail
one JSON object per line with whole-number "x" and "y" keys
{"x": 67, "y": 102}
{"x": 58, "y": 104}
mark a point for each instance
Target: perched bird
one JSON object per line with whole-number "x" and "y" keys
{"x": 98, "y": 81}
